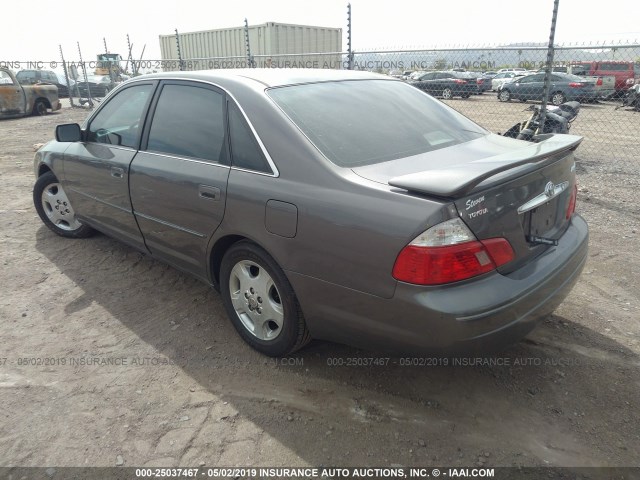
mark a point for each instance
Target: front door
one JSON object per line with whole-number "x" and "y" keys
{"x": 96, "y": 171}
{"x": 12, "y": 99}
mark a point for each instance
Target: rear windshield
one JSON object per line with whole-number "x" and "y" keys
{"x": 355, "y": 123}
{"x": 567, "y": 77}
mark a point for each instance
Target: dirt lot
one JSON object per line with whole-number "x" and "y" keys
{"x": 110, "y": 357}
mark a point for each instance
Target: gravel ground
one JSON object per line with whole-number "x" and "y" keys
{"x": 109, "y": 357}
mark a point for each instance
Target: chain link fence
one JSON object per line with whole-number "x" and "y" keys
{"x": 494, "y": 86}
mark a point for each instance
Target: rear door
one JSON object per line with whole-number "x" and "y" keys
{"x": 96, "y": 171}
{"x": 179, "y": 179}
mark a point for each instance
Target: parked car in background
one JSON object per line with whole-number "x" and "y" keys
{"x": 32, "y": 77}
{"x": 401, "y": 74}
{"x": 482, "y": 80}
{"x": 604, "y": 85}
{"x": 563, "y": 87}
{"x": 446, "y": 84}
{"x": 513, "y": 70}
{"x": 17, "y": 100}
{"x": 500, "y": 78}
{"x": 626, "y": 74}
{"x": 260, "y": 183}
{"x": 97, "y": 85}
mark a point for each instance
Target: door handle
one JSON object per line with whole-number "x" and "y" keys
{"x": 117, "y": 172}
{"x": 208, "y": 193}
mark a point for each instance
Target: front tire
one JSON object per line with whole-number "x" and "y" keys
{"x": 54, "y": 208}
{"x": 260, "y": 301}
{"x": 447, "y": 94}
{"x": 504, "y": 95}
{"x": 558, "y": 98}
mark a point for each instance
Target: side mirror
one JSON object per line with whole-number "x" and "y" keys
{"x": 69, "y": 132}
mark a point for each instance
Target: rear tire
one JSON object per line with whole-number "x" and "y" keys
{"x": 447, "y": 94}
{"x": 260, "y": 301}
{"x": 39, "y": 108}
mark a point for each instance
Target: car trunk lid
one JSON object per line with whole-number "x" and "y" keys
{"x": 521, "y": 194}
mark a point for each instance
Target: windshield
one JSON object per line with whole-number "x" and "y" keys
{"x": 363, "y": 122}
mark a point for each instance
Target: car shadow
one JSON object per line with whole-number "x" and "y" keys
{"x": 333, "y": 404}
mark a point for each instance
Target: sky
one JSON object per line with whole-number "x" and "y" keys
{"x": 394, "y": 24}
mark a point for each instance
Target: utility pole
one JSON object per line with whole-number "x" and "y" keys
{"x": 179, "y": 54}
{"x": 86, "y": 80}
{"x": 349, "y": 49}
{"x": 66, "y": 77}
{"x": 250, "y": 62}
{"x": 548, "y": 69}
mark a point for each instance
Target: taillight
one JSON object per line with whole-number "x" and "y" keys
{"x": 571, "y": 208}
{"x": 460, "y": 81}
{"x": 449, "y": 252}
{"x": 576, "y": 85}
{"x": 599, "y": 82}
{"x": 631, "y": 81}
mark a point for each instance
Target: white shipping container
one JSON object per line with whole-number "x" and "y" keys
{"x": 272, "y": 45}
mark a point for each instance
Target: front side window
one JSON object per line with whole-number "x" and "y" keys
{"x": 374, "y": 120}
{"x": 119, "y": 122}
{"x": 189, "y": 122}
{"x": 529, "y": 79}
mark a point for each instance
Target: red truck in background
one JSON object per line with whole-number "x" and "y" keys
{"x": 627, "y": 74}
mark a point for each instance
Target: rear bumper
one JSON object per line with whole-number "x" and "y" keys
{"x": 477, "y": 316}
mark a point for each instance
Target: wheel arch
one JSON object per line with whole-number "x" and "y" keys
{"x": 44, "y": 100}
{"x": 43, "y": 168}
{"x": 220, "y": 247}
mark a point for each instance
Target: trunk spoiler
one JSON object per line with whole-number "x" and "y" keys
{"x": 458, "y": 180}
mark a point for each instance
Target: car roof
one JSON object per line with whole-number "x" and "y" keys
{"x": 271, "y": 77}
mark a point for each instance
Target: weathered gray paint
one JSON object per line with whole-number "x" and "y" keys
{"x": 351, "y": 225}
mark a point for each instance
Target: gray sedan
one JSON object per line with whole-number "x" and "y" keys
{"x": 336, "y": 205}
{"x": 563, "y": 87}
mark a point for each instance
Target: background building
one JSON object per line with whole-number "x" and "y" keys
{"x": 271, "y": 45}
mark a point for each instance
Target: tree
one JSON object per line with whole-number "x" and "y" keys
{"x": 440, "y": 64}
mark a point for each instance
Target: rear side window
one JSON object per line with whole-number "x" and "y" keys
{"x": 120, "y": 120}
{"x": 245, "y": 151}
{"x": 363, "y": 122}
{"x": 189, "y": 122}
{"x": 614, "y": 67}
